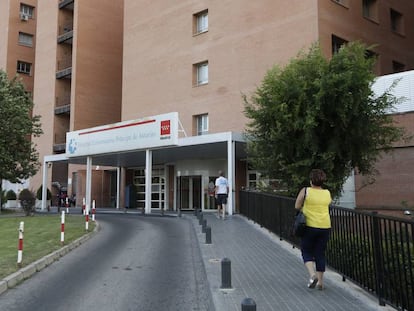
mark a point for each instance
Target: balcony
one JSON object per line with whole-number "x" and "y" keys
{"x": 64, "y": 73}
{"x": 66, "y": 36}
{"x": 65, "y": 109}
{"x": 66, "y": 4}
{"x": 64, "y": 68}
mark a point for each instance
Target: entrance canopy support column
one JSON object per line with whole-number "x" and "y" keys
{"x": 88, "y": 183}
{"x": 231, "y": 173}
{"x": 118, "y": 187}
{"x": 44, "y": 183}
{"x": 148, "y": 180}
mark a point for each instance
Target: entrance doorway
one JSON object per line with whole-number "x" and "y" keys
{"x": 189, "y": 192}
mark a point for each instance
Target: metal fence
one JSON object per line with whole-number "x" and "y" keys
{"x": 374, "y": 251}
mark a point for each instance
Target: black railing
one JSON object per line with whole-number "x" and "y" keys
{"x": 374, "y": 251}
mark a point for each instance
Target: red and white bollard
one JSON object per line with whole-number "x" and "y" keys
{"x": 84, "y": 206}
{"x": 62, "y": 228}
{"x": 20, "y": 247}
{"x": 93, "y": 210}
{"x": 87, "y": 219}
{"x": 67, "y": 205}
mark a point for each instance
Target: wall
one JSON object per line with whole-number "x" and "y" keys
{"x": 347, "y": 22}
{"x": 243, "y": 41}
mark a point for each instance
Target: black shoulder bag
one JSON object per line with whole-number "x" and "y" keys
{"x": 299, "y": 225}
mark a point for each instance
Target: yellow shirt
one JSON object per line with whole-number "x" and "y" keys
{"x": 316, "y": 208}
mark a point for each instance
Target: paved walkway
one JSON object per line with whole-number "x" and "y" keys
{"x": 269, "y": 271}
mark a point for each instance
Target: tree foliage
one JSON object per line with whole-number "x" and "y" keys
{"x": 18, "y": 155}
{"x": 320, "y": 113}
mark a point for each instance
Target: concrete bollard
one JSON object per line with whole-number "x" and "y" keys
{"x": 208, "y": 235}
{"x": 225, "y": 273}
{"x": 203, "y": 226}
{"x": 200, "y": 219}
{"x": 248, "y": 304}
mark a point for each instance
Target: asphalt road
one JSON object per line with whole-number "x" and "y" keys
{"x": 134, "y": 263}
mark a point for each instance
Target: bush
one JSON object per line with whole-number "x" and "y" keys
{"x": 3, "y": 197}
{"x": 11, "y": 195}
{"x": 39, "y": 193}
{"x": 27, "y": 200}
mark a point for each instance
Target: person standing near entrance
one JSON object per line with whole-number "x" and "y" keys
{"x": 222, "y": 190}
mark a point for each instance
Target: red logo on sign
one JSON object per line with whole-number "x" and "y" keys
{"x": 165, "y": 127}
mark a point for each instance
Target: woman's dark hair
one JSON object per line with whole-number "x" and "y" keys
{"x": 317, "y": 177}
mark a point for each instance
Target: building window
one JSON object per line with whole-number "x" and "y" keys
{"x": 202, "y": 124}
{"x": 337, "y": 43}
{"x": 370, "y": 9}
{"x": 397, "y": 21}
{"x": 23, "y": 67}
{"x": 26, "y": 11}
{"x": 397, "y": 67}
{"x": 200, "y": 22}
{"x": 370, "y": 54}
{"x": 200, "y": 72}
{"x": 25, "y": 39}
{"x": 252, "y": 179}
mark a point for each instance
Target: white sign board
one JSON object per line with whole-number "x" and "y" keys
{"x": 403, "y": 90}
{"x": 146, "y": 133}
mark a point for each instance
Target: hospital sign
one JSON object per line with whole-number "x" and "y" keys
{"x": 150, "y": 132}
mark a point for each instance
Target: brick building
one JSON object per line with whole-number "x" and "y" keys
{"x": 100, "y": 62}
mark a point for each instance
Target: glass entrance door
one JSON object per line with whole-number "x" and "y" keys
{"x": 189, "y": 192}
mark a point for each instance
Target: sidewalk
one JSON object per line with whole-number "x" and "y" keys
{"x": 269, "y": 271}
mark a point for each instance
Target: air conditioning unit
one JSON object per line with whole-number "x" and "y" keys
{"x": 24, "y": 17}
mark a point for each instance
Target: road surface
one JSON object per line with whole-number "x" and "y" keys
{"x": 135, "y": 262}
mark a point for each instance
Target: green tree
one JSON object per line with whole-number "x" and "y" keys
{"x": 18, "y": 155}
{"x": 320, "y": 113}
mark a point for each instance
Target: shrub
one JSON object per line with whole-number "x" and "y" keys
{"x": 11, "y": 195}
{"x": 3, "y": 197}
{"x": 39, "y": 193}
{"x": 27, "y": 200}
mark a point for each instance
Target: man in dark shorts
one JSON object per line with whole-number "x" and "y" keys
{"x": 222, "y": 190}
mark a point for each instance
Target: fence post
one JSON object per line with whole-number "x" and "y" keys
{"x": 280, "y": 222}
{"x": 379, "y": 266}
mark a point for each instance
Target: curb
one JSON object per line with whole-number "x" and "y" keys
{"x": 26, "y": 272}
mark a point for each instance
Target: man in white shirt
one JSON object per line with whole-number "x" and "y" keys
{"x": 222, "y": 190}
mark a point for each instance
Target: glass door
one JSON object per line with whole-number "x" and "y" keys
{"x": 189, "y": 192}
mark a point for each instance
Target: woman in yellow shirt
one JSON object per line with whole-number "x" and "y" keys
{"x": 315, "y": 203}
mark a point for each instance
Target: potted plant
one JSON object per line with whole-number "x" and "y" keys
{"x": 39, "y": 198}
{"x": 11, "y": 199}
{"x": 27, "y": 201}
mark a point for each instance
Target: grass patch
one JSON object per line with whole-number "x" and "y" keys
{"x": 41, "y": 237}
